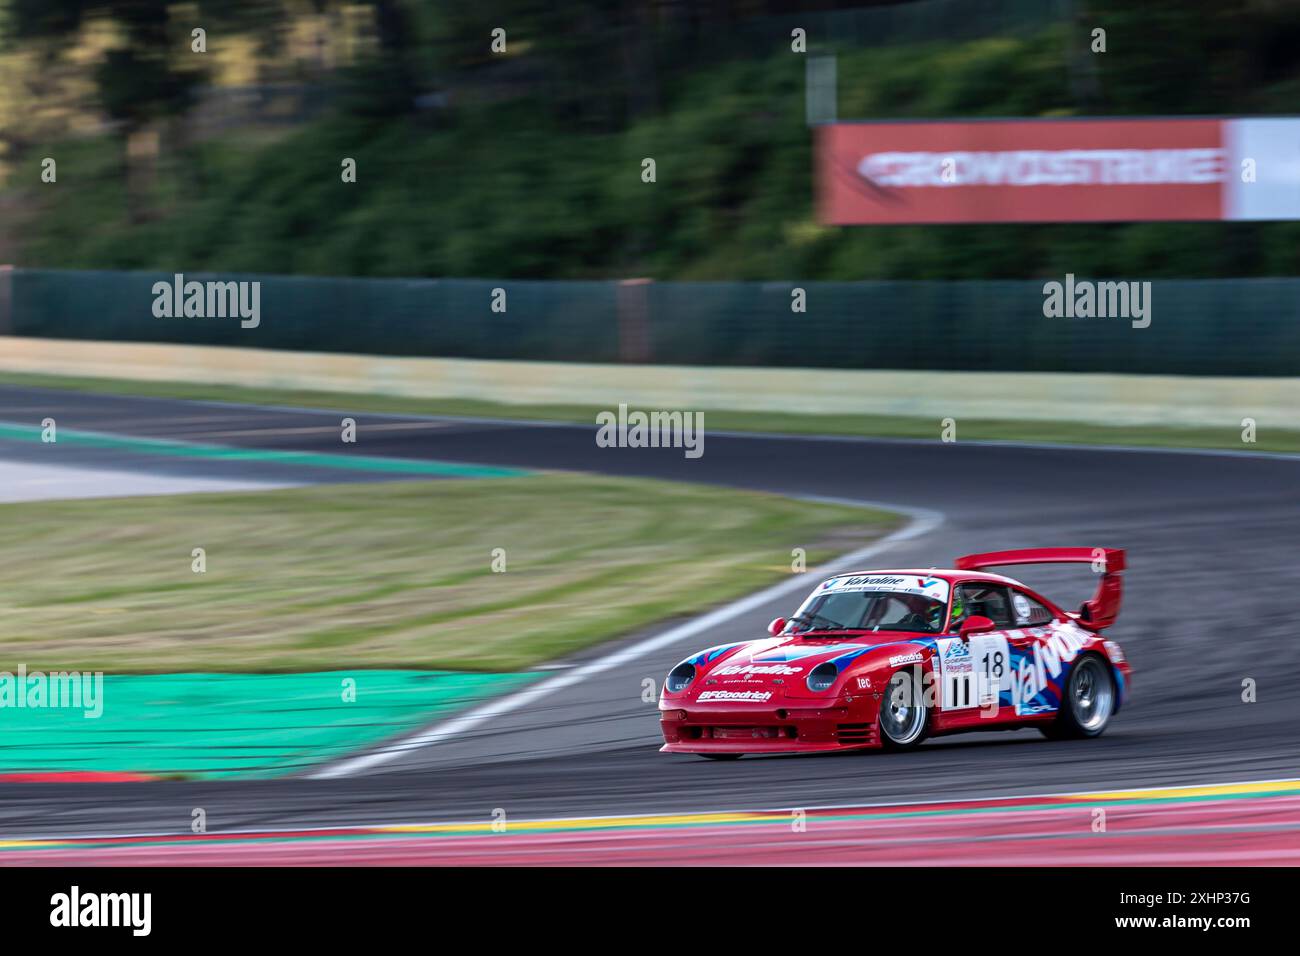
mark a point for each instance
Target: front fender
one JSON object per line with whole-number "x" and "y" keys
{"x": 873, "y": 670}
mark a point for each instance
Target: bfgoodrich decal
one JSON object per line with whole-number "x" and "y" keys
{"x": 757, "y": 696}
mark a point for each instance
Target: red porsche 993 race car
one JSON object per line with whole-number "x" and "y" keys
{"x": 888, "y": 658}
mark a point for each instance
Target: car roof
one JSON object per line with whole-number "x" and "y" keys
{"x": 948, "y": 574}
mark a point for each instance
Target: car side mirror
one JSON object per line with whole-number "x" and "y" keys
{"x": 975, "y": 624}
{"x": 777, "y": 626}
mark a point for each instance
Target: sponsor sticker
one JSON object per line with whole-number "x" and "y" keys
{"x": 936, "y": 588}
{"x": 912, "y": 658}
{"x": 956, "y": 671}
{"x": 757, "y": 696}
{"x": 973, "y": 673}
{"x": 991, "y": 658}
{"x": 750, "y": 669}
{"x": 1032, "y": 679}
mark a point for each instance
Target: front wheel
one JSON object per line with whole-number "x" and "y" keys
{"x": 904, "y": 717}
{"x": 1088, "y": 703}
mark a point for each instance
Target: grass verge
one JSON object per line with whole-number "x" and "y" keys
{"x": 389, "y": 575}
{"x": 866, "y": 426}
{"x": 223, "y": 725}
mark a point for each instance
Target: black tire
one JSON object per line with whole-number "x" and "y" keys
{"x": 722, "y": 756}
{"x": 1088, "y": 701}
{"x": 904, "y": 721}
{"x": 1054, "y": 730}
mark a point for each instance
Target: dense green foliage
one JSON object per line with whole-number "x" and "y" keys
{"x": 525, "y": 183}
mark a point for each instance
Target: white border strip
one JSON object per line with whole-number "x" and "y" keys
{"x": 922, "y": 522}
{"x": 1098, "y": 397}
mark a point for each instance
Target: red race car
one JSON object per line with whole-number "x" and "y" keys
{"x": 888, "y": 658}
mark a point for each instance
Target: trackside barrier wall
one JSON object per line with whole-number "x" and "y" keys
{"x": 1220, "y": 327}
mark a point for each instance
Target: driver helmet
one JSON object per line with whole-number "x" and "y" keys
{"x": 958, "y": 608}
{"x": 937, "y": 610}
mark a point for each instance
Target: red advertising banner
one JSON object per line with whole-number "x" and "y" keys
{"x": 1058, "y": 171}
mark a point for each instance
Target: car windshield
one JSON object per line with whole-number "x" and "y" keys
{"x": 874, "y": 603}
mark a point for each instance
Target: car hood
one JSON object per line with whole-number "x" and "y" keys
{"x": 762, "y": 670}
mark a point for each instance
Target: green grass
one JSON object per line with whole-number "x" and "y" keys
{"x": 881, "y": 426}
{"x": 391, "y": 575}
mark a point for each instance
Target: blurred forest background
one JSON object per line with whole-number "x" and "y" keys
{"x": 527, "y": 163}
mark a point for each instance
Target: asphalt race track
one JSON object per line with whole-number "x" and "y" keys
{"x": 1209, "y": 602}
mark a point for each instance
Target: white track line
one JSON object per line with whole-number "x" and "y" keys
{"x": 922, "y": 522}
{"x": 30, "y": 481}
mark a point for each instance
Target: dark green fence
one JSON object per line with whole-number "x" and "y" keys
{"x": 1202, "y": 327}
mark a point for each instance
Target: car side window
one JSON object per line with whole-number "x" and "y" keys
{"x": 1028, "y": 612}
{"x": 984, "y": 600}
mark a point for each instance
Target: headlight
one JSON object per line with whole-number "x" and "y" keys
{"x": 679, "y": 677}
{"x": 822, "y": 677}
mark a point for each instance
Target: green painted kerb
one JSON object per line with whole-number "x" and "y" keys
{"x": 222, "y": 725}
{"x": 158, "y": 446}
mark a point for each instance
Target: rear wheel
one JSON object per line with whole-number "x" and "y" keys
{"x": 1088, "y": 703}
{"x": 904, "y": 717}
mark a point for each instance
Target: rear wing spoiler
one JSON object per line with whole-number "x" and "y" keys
{"x": 1096, "y": 613}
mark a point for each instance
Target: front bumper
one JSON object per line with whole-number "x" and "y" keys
{"x": 795, "y": 727}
